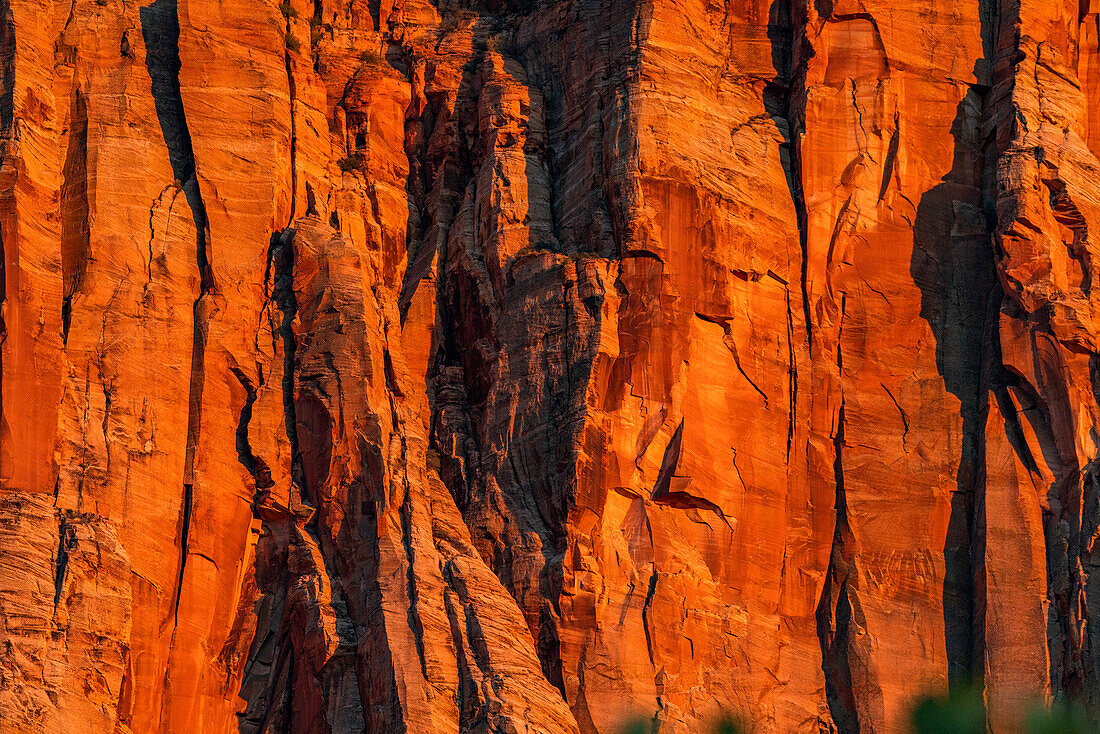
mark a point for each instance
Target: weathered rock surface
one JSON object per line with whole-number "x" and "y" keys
{"x": 528, "y": 366}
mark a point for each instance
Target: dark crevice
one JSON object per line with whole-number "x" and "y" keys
{"x": 901, "y": 410}
{"x": 792, "y": 376}
{"x": 778, "y": 99}
{"x": 1014, "y": 430}
{"x": 66, "y": 318}
{"x": 965, "y": 546}
{"x": 66, "y": 540}
{"x": 270, "y": 710}
{"x": 75, "y": 235}
{"x": 281, "y": 279}
{"x": 7, "y": 92}
{"x": 198, "y": 351}
{"x": 642, "y": 252}
{"x": 668, "y": 464}
{"x": 7, "y": 72}
{"x": 160, "y": 30}
{"x": 7, "y": 101}
{"x": 952, "y": 263}
{"x": 287, "y": 65}
{"x": 834, "y": 611}
{"x": 415, "y": 623}
{"x": 184, "y": 533}
{"x": 737, "y": 362}
{"x": 256, "y": 467}
{"x": 465, "y": 695}
{"x": 650, "y": 591}
{"x": 835, "y": 607}
{"x": 839, "y": 692}
{"x": 891, "y": 157}
{"x": 244, "y": 450}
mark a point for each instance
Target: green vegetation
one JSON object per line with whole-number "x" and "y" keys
{"x": 292, "y": 43}
{"x": 373, "y": 58}
{"x": 288, "y": 10}
{"x": 963, "y": 712}
{"x": 432, "y": 460}
{"x": 534, "y": 248}
{"x": 727, "y": 725}
{"x": 638, "y": 726}
{"x": 352, "y": 163}
{"x": 960, "y": 712}
{"x": 453, "y": 21}
{"x": 1058, "y": 720}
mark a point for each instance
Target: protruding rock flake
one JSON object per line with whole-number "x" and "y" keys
{"x": 543, "y": 366}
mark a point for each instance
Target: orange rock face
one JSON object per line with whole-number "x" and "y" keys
{"x": 531, "y": 366}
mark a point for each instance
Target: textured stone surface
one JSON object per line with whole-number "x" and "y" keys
{"x": 529, "y": 366}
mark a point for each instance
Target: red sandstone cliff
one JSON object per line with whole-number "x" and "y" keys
{"x": 383, "y": 365}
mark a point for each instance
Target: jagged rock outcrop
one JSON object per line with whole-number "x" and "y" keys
{"x": 512, "y": 366}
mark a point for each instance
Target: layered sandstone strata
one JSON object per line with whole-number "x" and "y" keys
{"x": 527, "y": 366}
